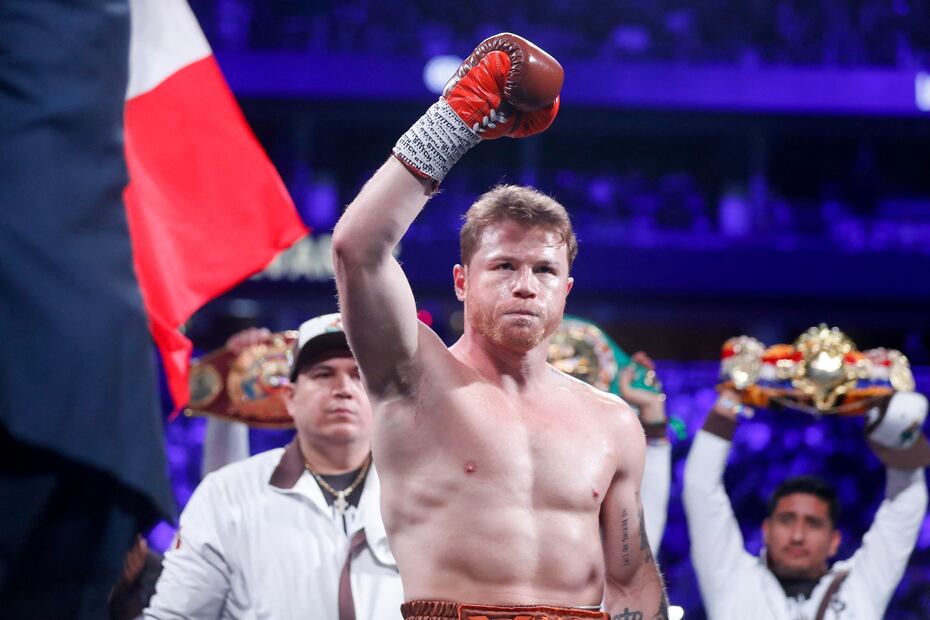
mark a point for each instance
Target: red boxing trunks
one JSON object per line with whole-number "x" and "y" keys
{"x": 447, "y": 610}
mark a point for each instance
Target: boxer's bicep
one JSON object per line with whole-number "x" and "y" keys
{"x": 379, "y": 315}
{"x": 375, "y": 298}
{"x": 626, "y": 544}
{"x": 634, "y": 587}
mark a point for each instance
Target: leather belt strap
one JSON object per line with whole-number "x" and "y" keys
{"x": 825, "y": 601}
{"x": 346, "y": 602}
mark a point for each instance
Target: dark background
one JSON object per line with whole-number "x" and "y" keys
{"x": 752, "y": 167}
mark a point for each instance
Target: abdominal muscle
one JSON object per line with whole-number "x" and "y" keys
{"x": 494, "y": 498}
{"x": 480, "y": 544}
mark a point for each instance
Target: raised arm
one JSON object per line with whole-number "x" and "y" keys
{"x": 224, "y": 442}
{"x": 657, "y": 479}
{"x": 717, "y": 550}
{"x": 227, "y": 441}
{"x": 634, "y": 587}
{"x": 507, "y": 87}
{"x": 377, "y": 305}
{"x": 657, "y": 476}
{"x": 879, "y": 563}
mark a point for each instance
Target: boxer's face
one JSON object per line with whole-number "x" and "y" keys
{"x": 329, "y": 404}
{"x": 800, "y": 537}
{"x": 515, "y": 285}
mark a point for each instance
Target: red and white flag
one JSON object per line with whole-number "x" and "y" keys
{"x": 206, "y": 207}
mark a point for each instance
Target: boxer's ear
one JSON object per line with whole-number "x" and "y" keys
{"x": 459, "y": 276}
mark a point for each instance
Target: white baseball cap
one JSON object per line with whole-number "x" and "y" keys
{"x": 318, "y": 336}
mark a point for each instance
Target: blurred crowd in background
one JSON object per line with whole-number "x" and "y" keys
{"x": 866, "y": 196}
{"x": 744, "y": 32}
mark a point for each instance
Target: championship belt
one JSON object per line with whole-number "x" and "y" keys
{"x": 821, "y": 373}
{"x": 247, "y": 387}
{"x": 583, "y": 350}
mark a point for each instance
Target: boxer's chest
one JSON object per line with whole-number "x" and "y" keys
{"x": 546, "y": 447}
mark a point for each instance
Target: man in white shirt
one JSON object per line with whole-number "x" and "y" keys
{"x": 294, "y": 532}
{"x": 792, "y": 580}
{"x": 657, "y": 473}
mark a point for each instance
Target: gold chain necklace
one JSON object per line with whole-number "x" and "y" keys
{"x": 340, "y": 503}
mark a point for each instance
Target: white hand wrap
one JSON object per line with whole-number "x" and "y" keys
{"x": 898, "y": 426}
{"x": 435, "y": 142}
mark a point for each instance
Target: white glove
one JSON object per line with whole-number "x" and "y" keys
{"x": 897, "y": 426}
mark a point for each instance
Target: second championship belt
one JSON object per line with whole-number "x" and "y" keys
{"x": 246, "y": 387}
{"x": 822, "y": 373}
{"x": 583, "y": 350}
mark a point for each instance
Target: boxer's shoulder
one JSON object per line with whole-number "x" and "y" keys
{"x": 589, "y": 395}
{"x": 607, "y": 410}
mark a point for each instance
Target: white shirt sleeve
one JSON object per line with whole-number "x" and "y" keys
{"x": 879, "y": 563}
{"x": 224, "y": 442}
{"x": 657, "y": 478}
{"x": 717, "y": 551}
{"x": 195, "y": 578}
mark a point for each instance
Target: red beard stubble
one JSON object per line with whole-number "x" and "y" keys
{"x": 513, "y": 338}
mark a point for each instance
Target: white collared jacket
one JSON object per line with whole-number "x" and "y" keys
{"x": 736, "y": 585}
{"x": 258, "y": 540}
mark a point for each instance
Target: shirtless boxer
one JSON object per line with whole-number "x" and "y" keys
{"x": 510, "y": 489}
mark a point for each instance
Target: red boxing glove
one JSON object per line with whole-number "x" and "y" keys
{"x": 507, "y": 87}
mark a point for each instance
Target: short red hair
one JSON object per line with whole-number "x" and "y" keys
{"x": 525, "y": 205}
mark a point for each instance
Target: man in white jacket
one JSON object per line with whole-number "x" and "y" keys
{"x": 293, "y": 532}
{"x": 657, "y": 474}
{"x": 791, "y": 579}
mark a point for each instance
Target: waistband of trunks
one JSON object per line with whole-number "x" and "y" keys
{"x": 449, "y": 610}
